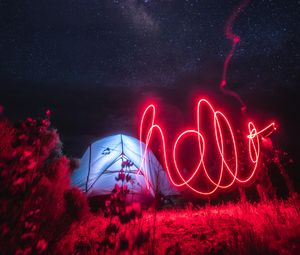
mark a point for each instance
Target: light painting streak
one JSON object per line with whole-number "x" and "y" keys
{"x": 222, "y": 132}
{"x": 235, "y": 39}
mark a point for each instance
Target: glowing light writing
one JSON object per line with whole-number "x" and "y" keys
{"x": 227, "y": 152}
{"x": 235, "y": 39}
{"x": 223, "y": 131}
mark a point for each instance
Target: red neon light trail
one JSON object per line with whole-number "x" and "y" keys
{"x": 235, "y": 39}
{"x": 222, "y": 132}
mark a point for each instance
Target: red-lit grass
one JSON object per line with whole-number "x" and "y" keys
{"x": 243, "y": 228}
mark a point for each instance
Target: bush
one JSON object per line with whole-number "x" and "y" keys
{"x": 37, "y": 204}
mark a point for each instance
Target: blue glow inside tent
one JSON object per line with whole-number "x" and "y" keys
{"x": 102, "y": 162}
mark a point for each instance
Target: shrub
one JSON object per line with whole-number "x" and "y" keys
{"x": 37, "y": 204}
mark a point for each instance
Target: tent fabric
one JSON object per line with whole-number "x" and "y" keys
{"x": 102, "y": 161}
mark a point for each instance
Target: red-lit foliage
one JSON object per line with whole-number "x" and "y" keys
{"x": 41, "y": 214}
{"x": 227, "y": 152}
{"x": 271, "y": 227}
{"x": 37, "y": 204}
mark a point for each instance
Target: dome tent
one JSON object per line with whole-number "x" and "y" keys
{"x": 103, "y": 160}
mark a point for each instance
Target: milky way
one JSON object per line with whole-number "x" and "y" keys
{"x": 91, "y": 62}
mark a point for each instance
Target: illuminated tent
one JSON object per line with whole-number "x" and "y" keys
{"x": 103, "y": 160}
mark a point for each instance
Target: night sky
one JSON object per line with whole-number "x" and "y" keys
{"x": 95, "y": 62}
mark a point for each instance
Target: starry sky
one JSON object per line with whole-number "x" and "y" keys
{"x": 95, "y": 62}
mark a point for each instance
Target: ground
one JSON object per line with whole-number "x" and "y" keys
{"x": 243, "y": 228}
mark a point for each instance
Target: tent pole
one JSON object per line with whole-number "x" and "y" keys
{"x": 88, "y": 175}
{"x": 122, "y": 144}
{"x": 114, "y": 161}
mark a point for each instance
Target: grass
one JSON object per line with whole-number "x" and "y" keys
{"x": 243, "y": 228}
